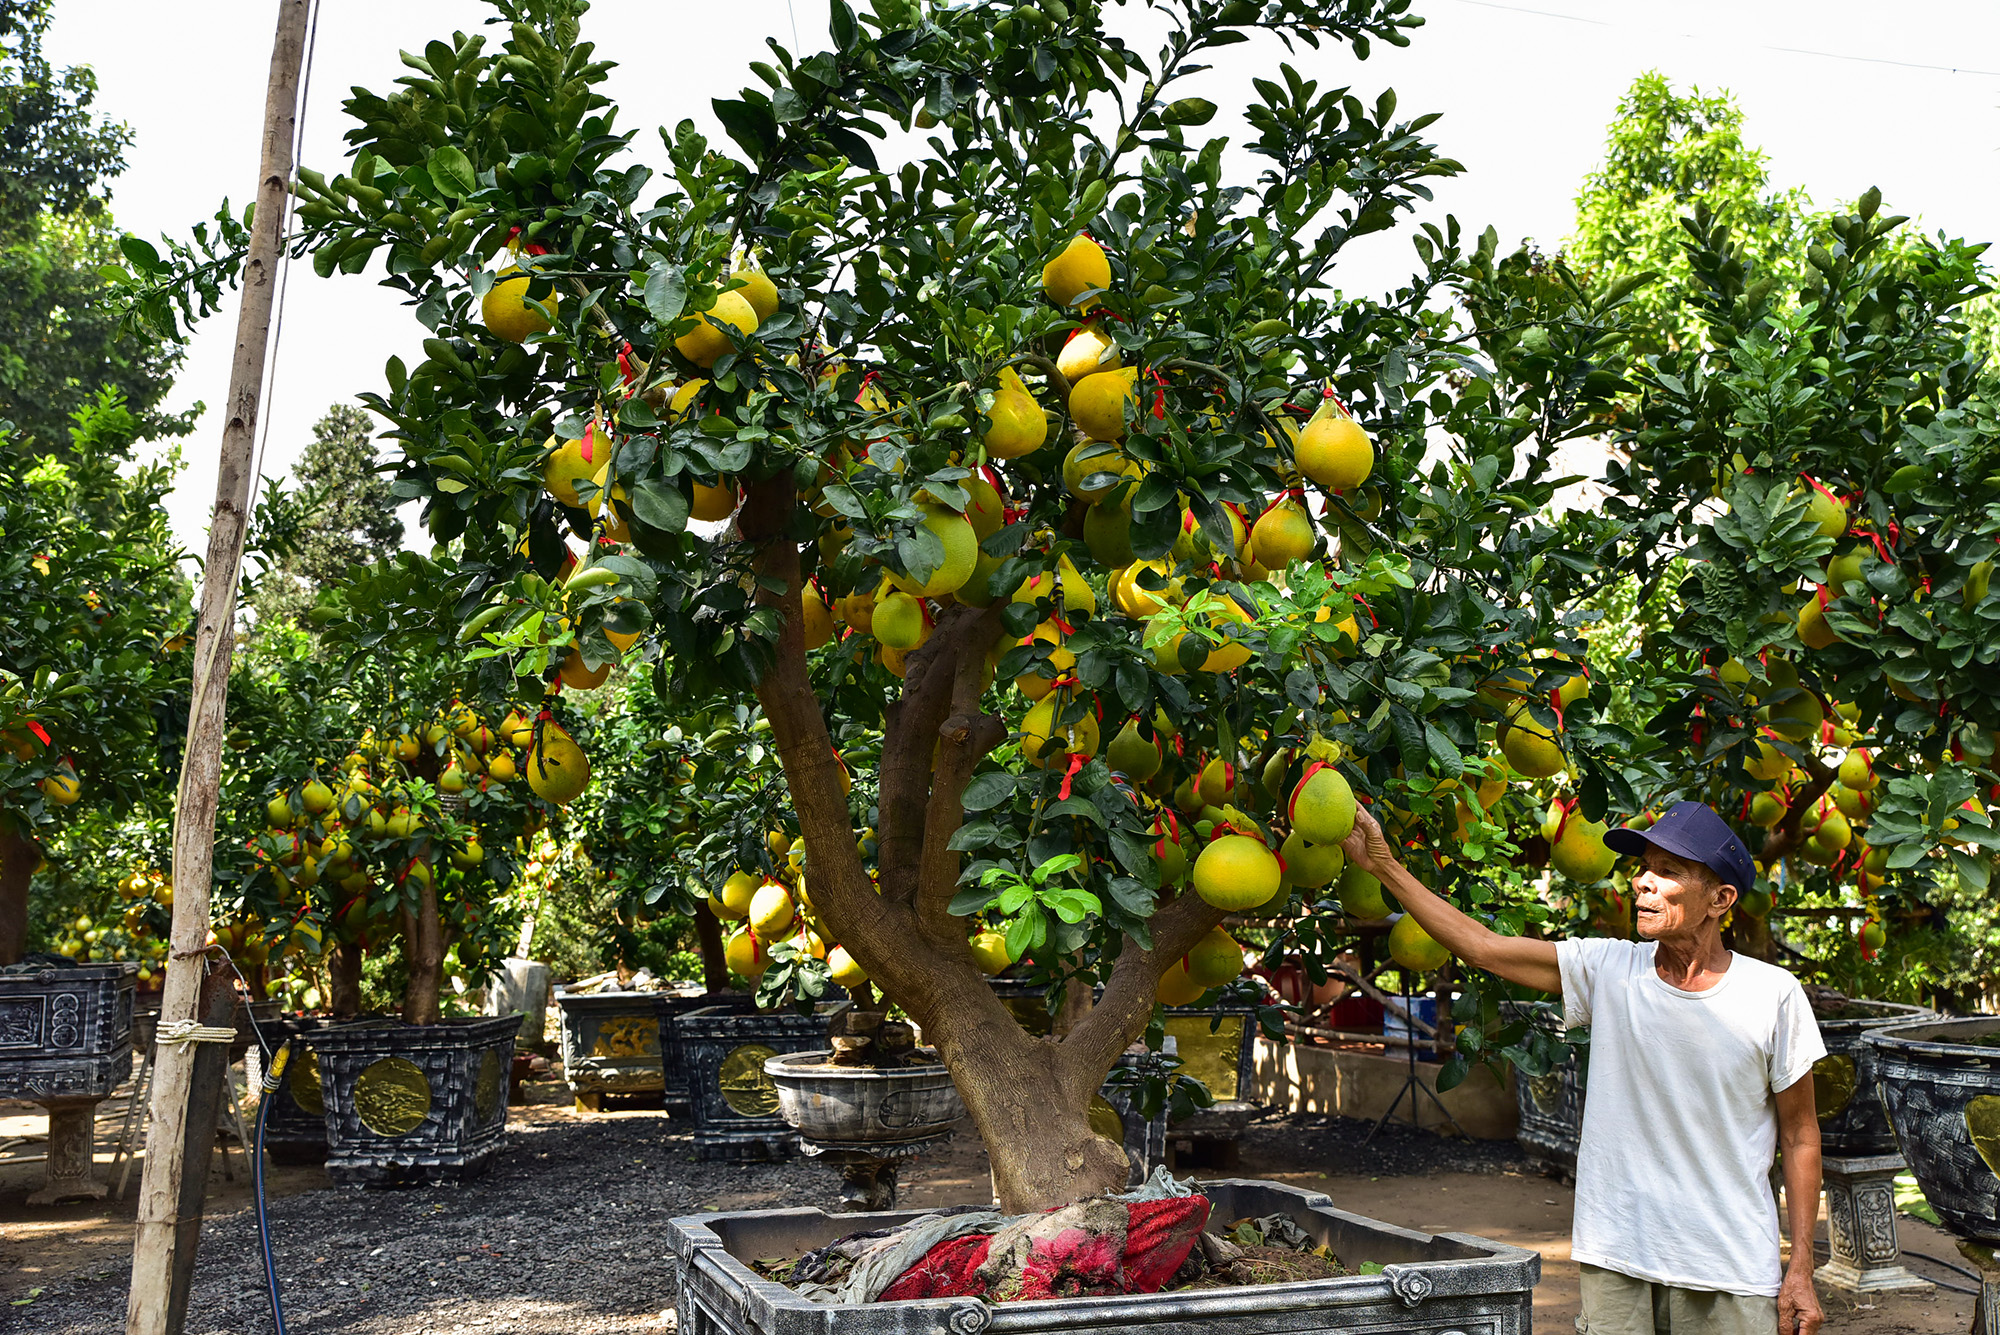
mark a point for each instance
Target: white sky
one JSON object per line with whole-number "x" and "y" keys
{"x": 1526, "y": 92}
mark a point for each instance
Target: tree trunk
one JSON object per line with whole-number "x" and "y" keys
{"x": 343, "y": 980}
{"x": 708, "y": 935}
{"x": 423, "y": 942}
{"x": 18, "y": 859}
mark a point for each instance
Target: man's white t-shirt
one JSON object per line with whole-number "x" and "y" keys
{"x": 1679, "y": 1123}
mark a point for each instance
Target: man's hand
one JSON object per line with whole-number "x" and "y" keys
{"x": 1365, "y": 846}
{"x": 1798, "y": 1305}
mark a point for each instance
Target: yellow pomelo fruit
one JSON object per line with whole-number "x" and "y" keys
{"x": 572, "y": 462}
{"x": 1131, "y": 596}
{"x": 899, "y": 621}
{"x": 842, "y": 968}
{"x": 1765, "y": 762}
{"x": 1217, "y": 783}
{"x": 1041, "y": 678}
{"x": 816, "y": 619}
{"x": 703, "y": 344}
{"x": 1767, "y": 809}
{"x": 1828, "y": 512}
{"x": 517, "y": 728}
{"x": 1167, "y": 852}
{"x": 1834, "y": 830}
{"x": 1092, "y": 460}
{"x": 1798, "y": 719}
{"x": 771, "y": 911}
{"x": 746, "y": 955}
{"x": 1076, "y": 593}
{"x": 1236, "y": 872}
{"x": 1282, "y": 534}
{"x": 500, "y": 767}
{"x": 1361, "y": 895}
{"x": 961, "y": 551}
{"x": 1081, "y": 267}
{"x": 1132, "y": 754}
{"x": 579, "y": 676}
{"x": 857, "y": 609}
{"x": 1016, "y": 424}
{"x": 1335, "y": 452}
{"x": 1216, "y": 959}
{"x": 759, "y": 291}
{"x": 1813, "y": 628}
{"x": 989, "y": 952}
{"x": 1322, "y": 807}
{"x": 1045, "y": 743}
{"x": 316, "y": 796}
{"x": 985, "y": 510}
{"x": 684, "y": 395}
{"x": 1178, "y": 985}
{"x": 62, "y": 788}
{"x": 711, "y": 504}
{"x": 505, "y": 311}
{"x": 1530, "y": 748}
{"x": 1857, "y": 770}
{"x": 1231, "y": 653}
{"x": 1579, "y": 852}
{"x": 737, "y": 894}
{"x": 1311, "y": 866}
{"x": 1107, "y": 532}
{"x": 557, "y": 769}
{"x": 978, "y": 591}
{"x": 1089, "y": 351}
{"x": 1413, "y": 948}
{"x": 1098, "y": 405}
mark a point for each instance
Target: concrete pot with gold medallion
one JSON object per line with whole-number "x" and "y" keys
{"x": 1846, "y": 1088}
{"x": 413, "y": 1103}
{"x": 1940, "y": 1080}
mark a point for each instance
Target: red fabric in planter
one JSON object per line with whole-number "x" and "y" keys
{"x": 1090, "y": 1249}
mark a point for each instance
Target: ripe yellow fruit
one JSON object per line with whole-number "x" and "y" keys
{"x": 505, "y": 311}
{"x": 735, "y": 897}
{"x": 1135, "y": 756}
{"x": 1134, "y": 599}
{"x": 1827, "y": 511}
{"x": 771, "y": 911}
{"x": 1098, "y": 405}
{"x": 1813, "y": 628}
{"x": 1045, "y": 743}
{"x": 1087, "y": 352}
{"x": 1335, "y": 452}
{"x": 557, "y": 768}
{"x": 1081, "y": 267}
{"x": 1857, "y": 770}
{"x": 1765, "y": 762}
{"x": 1798, "y": 718}
{"x": 1216, "y": 959}
{"x": 1237, "y": 872}
{"x": 1231, "y": 653}
{"x": 1016, "y": 423}
{"x": 1415, "y": 949}
{"x": 1311, "y": 866}
{"x": 1322, "y": 807}
{"x": 746, "y": 955}
{"x": 63, "y": 787}
{"x": 1178, "y": 985}
{"x": 518, "y": 728}
{"x": 706, "y": 342}
{"x": 1361, "y": 895}
{"x": 843, "y": 969}
{"x": 961, "y": 551}
{"x": 1579, "y": 853}
{"x": 985, "y": 509}
{"x": 1041, "y": 678}
{"x": 500, "y": 767}
{"x": 711, "y": 504}
{"x": 898, "y": 621}
{"x": 1282, "y": 534}
{"x": 815, "y": 617}
{"x": 1530, "y": 748}
{"x": 759, "y": 291}
{"x": 580, "y": 676}
{"x": 1095, "y": 460}
{"x": 989, "y": 952}
{"x": 570, "y": 463}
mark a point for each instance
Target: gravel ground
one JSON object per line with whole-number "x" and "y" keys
{"x": 563, "y": 1234}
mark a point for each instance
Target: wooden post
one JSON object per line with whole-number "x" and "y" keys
{"x": 163, "y": 1243}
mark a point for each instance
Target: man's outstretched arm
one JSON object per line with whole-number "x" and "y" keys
{"x": 1518, "y": 959}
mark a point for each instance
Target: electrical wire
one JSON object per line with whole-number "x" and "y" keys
{"x": 272, "y": 1076}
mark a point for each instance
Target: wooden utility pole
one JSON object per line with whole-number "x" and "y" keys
{"x": 164, "y": 1243}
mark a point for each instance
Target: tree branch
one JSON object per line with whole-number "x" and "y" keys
{"x": 1120, "y": 1015}
{"x": 909, "y": 744}
{"x": 1784, "y": 837}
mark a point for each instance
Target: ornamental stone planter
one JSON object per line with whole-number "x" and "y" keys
{"x": 610, "y": 1044}
{"x": 1852, "y": 1120}
{"x": 413, "y": 1103}
{"x": 865, "y": 1120}
{"x": 1430, "y": 1284}
{"x": 735, "y": 1102}
{"x": 1551, "y": 1105}
{"x": 66, "y": 1043}
{"x": 1941, "y": 1084}
{"x": 1223, "y": 1057}
{"x": 667, "y": 1006}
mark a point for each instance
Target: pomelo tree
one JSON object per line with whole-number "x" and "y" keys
{"x": 987, "y": 425}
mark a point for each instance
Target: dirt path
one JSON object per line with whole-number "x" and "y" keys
{"x": 562, "y": 1236}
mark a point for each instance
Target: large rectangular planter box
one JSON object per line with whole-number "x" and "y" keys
{"x": 734, "y": 1101}
{"x": 1430, "y": 1284}
{"x": 610, "y": 1042}
{"x": 413, "y": 1103}
{"x": 295, "y": 1125}
{"x": 66, "y": 1033}
{"x": 667, "y": 1006}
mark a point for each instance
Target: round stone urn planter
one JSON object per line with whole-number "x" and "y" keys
{"x": 413, "y": 1103}
{"x": 1852, "y": 1121}
{"x": 1940, "y": 1080}
{"x": 865, "y": 1120}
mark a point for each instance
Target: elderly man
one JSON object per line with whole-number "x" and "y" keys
{"x": 1700, "y": 1067}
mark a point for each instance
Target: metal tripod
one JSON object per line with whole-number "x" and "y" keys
{"x": 1413, "y": 1085}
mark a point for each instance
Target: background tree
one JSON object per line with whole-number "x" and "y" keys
{"x": 349, "y": 517}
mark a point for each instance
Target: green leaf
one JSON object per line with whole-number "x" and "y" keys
{"x": 987, "y": 791}
{"x": 666, "y": 293}
{"x": 660, "y": 505}
{"x": 139, "y": 253}
{"x": 452, "y": 172}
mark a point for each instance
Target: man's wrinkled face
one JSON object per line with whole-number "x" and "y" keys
{"x": 1673, "y": 896}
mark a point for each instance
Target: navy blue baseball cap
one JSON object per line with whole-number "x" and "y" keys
{"x": 1694, "y": 831}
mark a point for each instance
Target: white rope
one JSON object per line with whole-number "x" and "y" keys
{"x": 187, "y": 1031}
